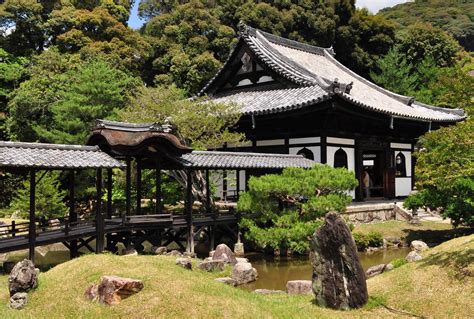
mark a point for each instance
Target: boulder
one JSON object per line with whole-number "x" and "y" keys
{"x": 413, "y": 256}
{"x": 18, "y": 300}
{"x": 378, "y": 269}
{"x": 174, "y": 253}
{"x": 184, "y": 262}
{"x": 212, "y": 265}
{"x": 244, "y": 273}
{"x": 242, "y": 260}
{"x": 299, "y": 287}
{"x": 159, "y": 250}
{"x": 227, "y": 280}
{"x": 239, "y": 249}
{"x": 129, "y": 252}
{"x": 393, "y": 241}
{"x": 223, "y": 252}
{"x": 211, "y": 253}
{"x": 23, "y": 277}
{"x": 418, "y": 245}
{"x": 113, "y": 289}
{"x": 268, "y": 291}
{"x": 338, "y": 277}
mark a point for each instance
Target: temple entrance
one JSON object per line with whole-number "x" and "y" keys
{"x": 372, "y": 175}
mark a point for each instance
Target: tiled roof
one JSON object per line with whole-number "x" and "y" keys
{"x": 238, "y": 160}
{"x": 306, "y": 65}
{"x": 273, "y": 101}
{"x": 54, "y": 156}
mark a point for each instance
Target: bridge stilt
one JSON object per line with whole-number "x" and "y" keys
{"x": 99, "y": 243}
{"x": 32, "y": 225}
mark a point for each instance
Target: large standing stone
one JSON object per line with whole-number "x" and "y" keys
{"x": 223, "y": 252}
{"x": 113, "y": 289}
{"x": 18, "y": 300}
{"x": 338, "y": 277}
{"x": 418, "y": 245}
{"x": 212, "y": 265}
{"x": 23, "y": 277}
{"x": 244, "y": 273}
{"x": 299, "y": 287}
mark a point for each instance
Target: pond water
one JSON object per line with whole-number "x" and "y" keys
{"x": 274, "y": 272}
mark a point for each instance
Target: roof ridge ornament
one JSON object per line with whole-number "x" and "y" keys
{"x": 338, "y": 87}
{"x": 243, "y": 28}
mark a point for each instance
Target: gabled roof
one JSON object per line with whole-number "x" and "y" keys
{"x": 239, "y": 160}
{"x": 54, "y": 156}
{"x": 315, "y": 67}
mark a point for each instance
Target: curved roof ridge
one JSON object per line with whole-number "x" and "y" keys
{"x": 291, "y": 43}
{"x": 455, "y": 111}
{"x": 246, "y": 154}
{"x": 51, "y": 146}
{"x": 402, "y": 98}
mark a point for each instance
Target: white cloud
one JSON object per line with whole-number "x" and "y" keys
{"x": 375, "y": 5}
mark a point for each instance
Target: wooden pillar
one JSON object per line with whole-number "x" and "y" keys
{"x": 72, "y": 212}
{"x": 158, "y": 193}
{"x": 359, "y": 168}
{"x": 32, "y": 224}
{"x": 324, "y": 149}
{"x": 212, "y": 236}
{"x": 128, "y": 193}
{"x": 237, "y": 182}
{"x": 224, "y": 185}
{"x": 189, "y": 212}
{"x": 208, "y": 193}
{"x": 99, "y": 242}
{"x": 139, "y": 187}
{"x": 109, "y": 192}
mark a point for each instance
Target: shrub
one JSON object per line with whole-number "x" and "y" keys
{"x": 371, "y": 239}
{"x": 398, "y": 262}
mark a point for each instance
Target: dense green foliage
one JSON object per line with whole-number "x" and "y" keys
{"x": 445, "y": 173}
{"x": 49, "y": 199}
{"x": 364, "y": 241}
{"x": 454, "y": 16}
{"x": 286, "y": 208}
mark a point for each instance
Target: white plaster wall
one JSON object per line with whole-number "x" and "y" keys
{"x": 402, "y": 186}
{"x": 331, "y": 150}
{"x": 242, "y": 181}
{"x": 315, "y": 149}
{"x": 401, "y": 145}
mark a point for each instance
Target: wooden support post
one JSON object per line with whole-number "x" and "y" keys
{"x": 224, "y": 185}
{"x": 72, "y": 212}
{"x": 212, "y": 236}
{"x": 128, "y": 193}
{"x": 208, "y": 193}
{"x": 158, "y": 193}
{"x": 32, "y": 225}
{"x": 189, "y": 212}
{"x": 109, "y": 192}
{"x": 237, "y": 182}
{"x": 99, "y": 241}
{"x": 139, "y": 187}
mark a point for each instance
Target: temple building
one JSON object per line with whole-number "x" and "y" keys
{"x": 298, "y": 99}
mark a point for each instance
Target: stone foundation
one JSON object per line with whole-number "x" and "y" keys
{"x": 373, "y": 213}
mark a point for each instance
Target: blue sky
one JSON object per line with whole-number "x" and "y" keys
{"x": 373, "y": 5}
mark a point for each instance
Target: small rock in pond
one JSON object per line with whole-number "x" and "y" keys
{"x": 212, "y": 265}
{"x": 268, "y": 291}
{"x": 112, "y": 289}
{"x": 299, "y": 287}
{"x": 418, "y": 245}
{"x": 159, "y": 250}
{"x": 413, "y": 256}
{"x": 18, "y": 300}
{"x": 184, "y": 262}
{"x": 244, "y": 273}
{"x": 227, "y": 280}
{"x": 223, "y": 252}
{"x": 239, "y": 249}
{"x": 23, "y": 277}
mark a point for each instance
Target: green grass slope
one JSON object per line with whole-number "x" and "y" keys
{"x": 438, "y": 286}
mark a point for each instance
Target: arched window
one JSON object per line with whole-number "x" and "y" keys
{"x": 306, "y": 153}
{"x": 340, "y": 158}
{"x": 400, "y": 165}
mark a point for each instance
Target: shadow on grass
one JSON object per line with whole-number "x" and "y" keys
{"x": 435, "y": 237}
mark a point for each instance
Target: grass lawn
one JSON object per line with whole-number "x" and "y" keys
{"x": 429, "y": 231}
{"x": 438, "y": 286}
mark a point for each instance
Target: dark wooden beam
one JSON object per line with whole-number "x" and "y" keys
{"x": 72, "y": 212}
{"x": 128, "y": 192}
{"x": 139, "y": 187}
{"x": 99, "y": 243}
{"x": 237, "y": 182}
{"x": 32, "y": 225}
{"x": 324, "y": 149}
{"x": 109, "y": 192}
{"x": 208, "y": 193}
{"x": 189, "y": 211}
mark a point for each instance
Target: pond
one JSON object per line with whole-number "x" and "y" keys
{"x": 274, "y": 272}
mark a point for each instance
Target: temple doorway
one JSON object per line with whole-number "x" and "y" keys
{"x": 373, "y": 175}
